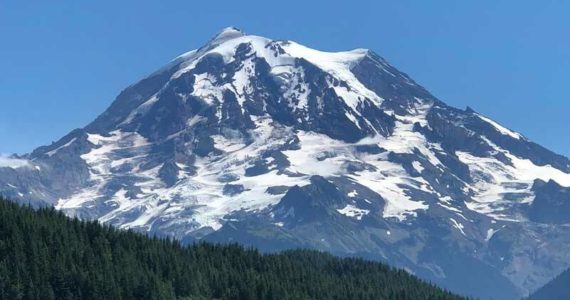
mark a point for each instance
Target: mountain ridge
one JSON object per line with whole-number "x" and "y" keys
{"x": 276, "y": 145}
{"x": 556, "y": 289}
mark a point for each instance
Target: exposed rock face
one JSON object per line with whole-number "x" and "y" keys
{"x": 276, "y": 145}
{"x": 551, "y": 204}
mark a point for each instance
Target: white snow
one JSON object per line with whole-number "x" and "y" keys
{"x": 11, "y": 162}
{"x": 101, "y": 159}
{"x": 353, "y": 212}
{"x": 405, "y": 139}
{"x": 291, "y": 77}
{"x": 225, "y": 35}
{"x": 225, "y": 48}
{"x": 52, "y": 152}
{"x": 205, "y": 88}
{"x": 141, "y": 109}
{"x": 241, "y": 82}
{"x": 227, "y": 145}
{"x": 494, "y": 180}
{"x": 490, "y": 233}
{"x": 338, "y": 64}
{"x": 293, "y": 85}
{"x": 458, "y": 226}
{"x": 389, "y": 180}
{"x": 195, "y": 120}
{"x": 417, "y": 166}
{"x": 500, "y": 128}
{"x": 201, "y": 194}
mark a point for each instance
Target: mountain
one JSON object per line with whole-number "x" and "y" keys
{"x": 557, "y": 289}
{"x": 45, "y": 255}
{"x": 275, "y": 145}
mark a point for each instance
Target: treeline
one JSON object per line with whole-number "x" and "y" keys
{"x": 45, "y": 255}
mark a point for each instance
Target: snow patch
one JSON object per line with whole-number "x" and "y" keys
{"x": 458, "y": 226}
{"x": 417, "y": 166}
{"x": 490, "y": 233}
{"x": 501, "y": 129}
{"x": 12, "y": 162}
{"x": 495, "y": 181}
{"x": 52, "y": 152}
{"x": 352, "y": 211}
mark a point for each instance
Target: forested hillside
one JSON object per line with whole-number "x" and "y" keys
{"x": 45, "y": 255}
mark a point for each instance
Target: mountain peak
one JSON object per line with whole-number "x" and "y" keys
{"x": 226, "y": 140}
{"x": 226, "y": 34}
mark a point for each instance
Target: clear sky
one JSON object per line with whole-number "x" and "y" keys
{"x": 62, "y": 64}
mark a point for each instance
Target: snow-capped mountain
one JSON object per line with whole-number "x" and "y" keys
{"x": 273, "y": 144}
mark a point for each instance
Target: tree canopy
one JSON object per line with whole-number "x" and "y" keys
{"x": 46, "y": 255}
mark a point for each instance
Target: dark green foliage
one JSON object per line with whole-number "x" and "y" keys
{"x": 45, "y": 255}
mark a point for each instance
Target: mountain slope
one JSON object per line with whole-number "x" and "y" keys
{"x": 557, "y": 289}
{"x": 44, "y": 255}
{"x": 276, "y": 145}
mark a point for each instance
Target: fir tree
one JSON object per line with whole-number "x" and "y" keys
{"x": 45, "y": 255}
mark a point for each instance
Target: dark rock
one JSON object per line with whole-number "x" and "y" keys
{"x": 233, "y": 189}
{"x": 551, "y": 204}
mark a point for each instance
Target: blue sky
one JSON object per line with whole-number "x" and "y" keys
{"x": 63, "y": 64}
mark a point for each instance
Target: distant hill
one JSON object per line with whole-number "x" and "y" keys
{"x": 557, "y": 289}
{"x": 45, "y": 255}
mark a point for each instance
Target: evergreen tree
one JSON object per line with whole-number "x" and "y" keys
{"x": 45, "y": 255}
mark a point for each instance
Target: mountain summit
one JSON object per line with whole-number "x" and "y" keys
{"x": 277, "y": 145}
{"x": 226, "y": 34}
